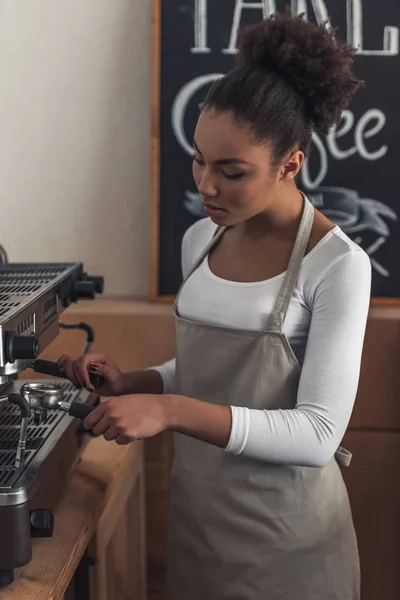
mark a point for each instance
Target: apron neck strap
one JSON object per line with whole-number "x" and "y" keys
{"x": 214, "y": 240}
{"x": 286, "y": 292}
{"x": 300, "y": 246}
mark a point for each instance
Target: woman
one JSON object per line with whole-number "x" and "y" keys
{"x": 270, "y": 326}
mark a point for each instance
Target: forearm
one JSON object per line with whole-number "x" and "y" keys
{"x": 201, "y": 420}
{"x": 291, "y": 436}
{"x": 142, "y": 382}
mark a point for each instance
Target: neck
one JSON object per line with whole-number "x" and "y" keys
{"x": 282, "y": 216}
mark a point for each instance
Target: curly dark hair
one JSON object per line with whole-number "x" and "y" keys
{"x": 292, "y": 77}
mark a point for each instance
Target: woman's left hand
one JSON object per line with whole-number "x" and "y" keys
{"x": 128, "y": 418}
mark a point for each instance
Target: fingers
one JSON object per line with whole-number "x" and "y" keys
{"x": 66, "y": 364}
{"x": 111, "y": 434}
{"x": 101, "y": 424}
{"x": 76, "y": 368}
{"x": 98, "y": 369}
{"x": 122, "y": 440}
{"x": 103, "y": 371}
{"x": 94, "y": 418}
{"x": 81, "y": 368}
{"x": 82, "y": 374}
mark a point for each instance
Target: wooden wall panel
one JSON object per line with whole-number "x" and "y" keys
{"x": 373, "y": 482}
{"x": 377, "y": 405}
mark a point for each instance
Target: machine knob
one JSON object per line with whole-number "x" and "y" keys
{"x": 98, "y": 283}
{"x": 42, "y": 523}
{"x": 84, "y": 289}
{"x": 21, "y": 347}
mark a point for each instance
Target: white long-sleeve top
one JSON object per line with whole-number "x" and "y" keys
{"x": 325, "y": 326}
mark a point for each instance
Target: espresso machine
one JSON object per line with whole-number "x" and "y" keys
{"x": 36, "y": 416}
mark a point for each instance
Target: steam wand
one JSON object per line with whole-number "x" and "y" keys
{"x": 25, "y": 409}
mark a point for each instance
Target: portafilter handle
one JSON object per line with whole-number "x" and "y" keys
{"x": 47, "y": 367}
{"x": 79, "y": 410}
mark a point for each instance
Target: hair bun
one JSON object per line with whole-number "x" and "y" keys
{"x": 308, "y": 57}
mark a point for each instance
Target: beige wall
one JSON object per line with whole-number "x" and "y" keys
{"x": 74, "y": 135}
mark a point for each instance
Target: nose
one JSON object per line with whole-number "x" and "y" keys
{"x": 207, "y": 185}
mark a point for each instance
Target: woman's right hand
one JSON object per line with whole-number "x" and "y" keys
{"x": 78, "y": 368}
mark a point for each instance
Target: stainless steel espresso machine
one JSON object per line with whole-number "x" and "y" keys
{"x": 36, "y": 416}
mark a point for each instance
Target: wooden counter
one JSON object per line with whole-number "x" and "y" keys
{"x": 102, "y": 509}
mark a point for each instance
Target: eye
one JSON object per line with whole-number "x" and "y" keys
{"x": 233, "y": 175}
{"x": 198, "y": 160}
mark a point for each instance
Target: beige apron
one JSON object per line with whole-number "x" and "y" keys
{"x": 243, "y": 529}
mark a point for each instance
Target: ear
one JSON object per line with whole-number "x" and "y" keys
{"x": 291, "y": 166}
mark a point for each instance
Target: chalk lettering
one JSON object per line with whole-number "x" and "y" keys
{"x": 200, "y": 28}
{"x": 347, "y": 122}
{"x": 299, "y": 7}
{"x": 267, "y": 6}
{"x": 305, "y": 176}
{"x": 362, "y": 133}
{"x": 180, "y": 105}
{"x": 321, "y": 12}
{"x": 354, "y": 19}
{"x": 368, "y": 126}
{"x": 355, "y": 33}
{"x": 364, "y": 129}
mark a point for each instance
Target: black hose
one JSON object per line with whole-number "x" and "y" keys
{"x": 85, "y": 327}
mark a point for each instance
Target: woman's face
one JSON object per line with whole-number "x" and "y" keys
{"x": 234, "y": 175}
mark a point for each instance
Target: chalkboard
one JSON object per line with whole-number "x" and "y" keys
{"x": 351, "y": 174}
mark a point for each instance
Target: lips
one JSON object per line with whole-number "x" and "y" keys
{"x": 212, "y": 206}
{"x": 213, "y": 211}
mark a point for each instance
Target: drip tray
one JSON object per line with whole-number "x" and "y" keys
{"x": 31, "y": 444}
{"x": 8, "y": 473}
{"x": 37, "y": 435}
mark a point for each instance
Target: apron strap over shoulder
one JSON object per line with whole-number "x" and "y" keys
{"x": 214, "y": 240}
{"x": 292, "y": 273}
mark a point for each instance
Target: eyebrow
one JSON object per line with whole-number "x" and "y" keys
{"x": 223, "y": 161}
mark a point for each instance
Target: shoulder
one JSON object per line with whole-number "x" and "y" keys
{"x": 200, "y": 233}
{"x": 197, "y": 236}
{"x": 195, "y": 239}
{"x": 336, "y": 248}
{"x": 336, "y": 262}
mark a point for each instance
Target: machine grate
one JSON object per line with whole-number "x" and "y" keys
{"x": 20, "y": 285}
{"x": 37, "y": 436}
{"x": 31, "y": 444}
{"x": 8, "y": 473}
